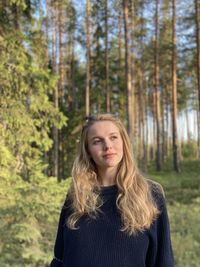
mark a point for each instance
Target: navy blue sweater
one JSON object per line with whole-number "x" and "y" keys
{"x": 100, "y": 243}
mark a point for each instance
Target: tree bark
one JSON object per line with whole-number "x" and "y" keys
{"x": 197, "y": 11}
{"x": 129, "y": 89}
{"x": 157, "y": 92}
{"x": 174, "y": 92}
{"x": 61, "y": 84}
{"x": 133, "y": 72}
{"x": 61, "y": 53}
{"x": 120, "y": 65}
{"x": 107, "y": 87}
{"x": 88, "y": 55}
{"x": 55, "y": 95}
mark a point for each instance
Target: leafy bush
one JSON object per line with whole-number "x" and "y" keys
{"x": 29, "y": 212}
{"x": 189, "y": 149}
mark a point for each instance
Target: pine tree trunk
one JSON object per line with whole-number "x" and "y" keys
{"x": 163, "y": 126}
{"x": 142, "y": 106}
{"x": 167, "y": 129}
{"x": 157, "y": 93}
{"x": 132, "y": 63}
{"x": 107, "y": 87}
{"x": 47, "y": 32}
{"x": 197, "y": 10}
{"x": 70, "y": 71}
{"x": 129, "y": 89}
{"x": 55, "y": 96}
{"x": 120, "y": 60}
{"x": 88, "y": 71}
{"x": 61, "y": 84}
{"x": 174, "y": 92}
{"x": 61, "y": 53}
{"x": 72, "y": 74}
{"x": 146, "y": 130}
{"x": 144, "y": 99}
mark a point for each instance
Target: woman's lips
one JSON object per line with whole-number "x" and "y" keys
{"x": 108, "y": 156}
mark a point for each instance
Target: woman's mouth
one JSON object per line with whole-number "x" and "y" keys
{"x": 108, "y": 156}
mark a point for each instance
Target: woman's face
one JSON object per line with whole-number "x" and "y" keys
{"x": 105, "y": 145}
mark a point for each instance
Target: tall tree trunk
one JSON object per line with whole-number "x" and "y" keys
{"x": 47, "y": 31}
{"x": 142, "y": 105}
{"x": 71, "y": 97}
{"x": 88, "y": 71}
{"x": 157, "y": 92}
{"x": 61, "y": 84}
{"x": 144, "y": 98}
{"x": 132, "y": 63}
{"x": 61, "y": 53}
{"x": 70, "y": 71}
{"x": 197, "y": 9}
{"x": 129, "y": 89}
{"x": 154, "y": 133}
{"x": 146, "y": 132}
{"x": 163, "y": 125}
{"x": 120, "y": 66}
{"x": 136, "y": 133}
{"x": 174, "y": 92}
{"x": 167, "y": 115}
{"x": 55, "y": 96}
{"x": 107, "y": 87}
{"x": 47, "y": 26}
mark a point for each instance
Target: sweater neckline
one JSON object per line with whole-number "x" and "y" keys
{"x": 109, "y": 190}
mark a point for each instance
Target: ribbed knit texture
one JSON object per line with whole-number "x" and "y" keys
{"x": 100, "y": 243}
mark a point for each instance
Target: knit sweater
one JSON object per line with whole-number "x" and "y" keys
{"x": 100, "y": 243}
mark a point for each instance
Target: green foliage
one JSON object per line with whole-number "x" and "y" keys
{"x": 26, "y": 112}
{"x": 185, "y": 230}
{"x": 27, "y": 212}
{"x": 20, "y": 3}
{"x": 29, "y": 200}
{"x": 189, "y": 149}
{"x": 182, "y": 193}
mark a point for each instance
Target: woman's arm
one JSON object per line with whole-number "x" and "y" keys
{"x": 59, "y": 243}
{"x": 164, "y": 257}
{"x": 160, "y": 252}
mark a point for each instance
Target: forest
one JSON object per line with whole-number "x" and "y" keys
{"x": 62, "y": 60}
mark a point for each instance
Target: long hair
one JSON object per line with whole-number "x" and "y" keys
{"x": 134, "y": 200}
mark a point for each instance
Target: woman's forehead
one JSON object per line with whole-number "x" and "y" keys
{"x": 103, "y": 128}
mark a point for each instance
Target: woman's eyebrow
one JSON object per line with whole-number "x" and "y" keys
{"x": 94, "y": 137}
{"x": 98, "y": 136}
{"x": 114, "y": 133}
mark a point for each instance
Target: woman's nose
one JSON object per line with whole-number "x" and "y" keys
{"x": 107, "y": 145}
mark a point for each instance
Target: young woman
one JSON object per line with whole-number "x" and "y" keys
{"x": 112, "y": 216}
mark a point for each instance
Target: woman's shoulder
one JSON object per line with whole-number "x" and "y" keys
{"x": 67, "y": 202}
{"x": 157, "y": 193}
{"x": 67, "y": 206}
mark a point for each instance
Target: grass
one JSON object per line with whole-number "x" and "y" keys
{"x": 183, "y": 199}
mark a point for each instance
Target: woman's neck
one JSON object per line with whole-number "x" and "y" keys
{"x": 107, "y": 177}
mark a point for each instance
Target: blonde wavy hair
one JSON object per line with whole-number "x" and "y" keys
{"x": 134, "y": 200}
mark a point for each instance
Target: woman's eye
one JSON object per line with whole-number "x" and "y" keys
{"x": 96, "y": 142}
{"x": 113, "y": 137}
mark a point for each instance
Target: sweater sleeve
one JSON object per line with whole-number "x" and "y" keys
{"x": 59, "y": 243}
{"x": 161, "y": 254}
